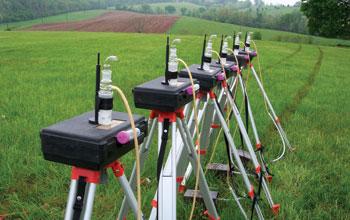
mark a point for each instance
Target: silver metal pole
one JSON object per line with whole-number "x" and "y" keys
{"x": 271, "y": 108}
{"x": 90, "y": 201}
{"x": 130, "y": 197}
{"x": 237, "y": 157}
{"x": 71, "y": 199}
{"x": 143, "y": 155}
{"x": 203, "y": 186}
{"x": 244, "y": 91}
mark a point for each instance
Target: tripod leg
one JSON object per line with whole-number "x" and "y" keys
{"x": 250, "y": 150}
{"x": 129, "y": 195}
{"x": 71, "y": 199}
{"x": 167, "y": 185}
{"x": 271, "y": 108}
{"x": 215, "y": 119}
{"x": 194, "y": 161}
{"x": 236, "y": 156}
{"x": 143, "y": 155}
{"x": 203, "y": 116}
{"x": 244, "y": 91}
{"x": 238, "y": 203}
{"x": 89, "y": 201}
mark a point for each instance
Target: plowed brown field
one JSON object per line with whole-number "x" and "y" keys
{"x": 118, "y": 21}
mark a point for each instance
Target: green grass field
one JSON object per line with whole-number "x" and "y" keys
{"x": 177, "y": 5}
{"x": 48, "y": 77}
{"x": 73, "y": 16}
{"x": 190, "y": 26}
{"x": 196, "y": 26}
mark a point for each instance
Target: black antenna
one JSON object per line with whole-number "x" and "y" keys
{"x": 245, "y": 39}
{"x": 167, "y": 74}
{"x": 222, "y": 40}
{"x": 97, "y": 100}
{"x": 234, "y": 39}
{"x": 203, "y": 53}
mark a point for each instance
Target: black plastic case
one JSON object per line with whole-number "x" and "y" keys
{"x": 240, "y": 57}
{"x": 207, "y": 80}
{"x": 228, "y": 67}
{"x": 251, "y": 53}
{"x": 76, "y": 142}
{"x": 156, "y": 96}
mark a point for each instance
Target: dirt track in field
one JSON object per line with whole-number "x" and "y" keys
{"x": 117, "y": 21}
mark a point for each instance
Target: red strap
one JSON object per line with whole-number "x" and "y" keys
{"x": 275, "y": 208}
{"x": 269, "y": 178}
{"x": 179, "y": 179}
{"x": 224, "y": 84}
{"x": 258, "y": 145}
{"x": 215, "y": 126}
{"x": 123, "y": 219}
{"x": 277, "y": 120}
{"x": 153, "y": 114}
{"x": 210, "y": 217}
{"x": 182, "y": 188}
{"x": 202, "y": 151}
{"x": 251, "y": 193}
{"x": 257, "y": 169}
{"x": 154, "y": 203}
{"x": 212, "y": 95}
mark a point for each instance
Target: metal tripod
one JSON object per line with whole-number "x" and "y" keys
{"x": 80, "y": 204}
{"x": 164, "y": 203}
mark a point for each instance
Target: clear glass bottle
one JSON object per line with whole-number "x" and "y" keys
{"x": 208, "y": 53}
{"x": 224, "y": 50}
{"x": 247, "y": 43}
{"x": 237, "y": 44}
{"x": 173, "y": 63}
{"x": 105, "y": 115}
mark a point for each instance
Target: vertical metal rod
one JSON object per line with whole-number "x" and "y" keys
{"x": 71, "y": 199}
{"x": 90, "y": 201}
{"x": 173, "y": 166}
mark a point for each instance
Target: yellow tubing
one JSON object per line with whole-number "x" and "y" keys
{"x": 197, "y": 132}
{"x": 136, "y": 143}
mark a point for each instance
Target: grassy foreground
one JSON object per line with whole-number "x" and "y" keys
{"x": 47, "y": 77}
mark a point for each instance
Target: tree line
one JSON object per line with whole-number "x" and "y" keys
{"x": 19, "y": 10}
{"x": 258, "y": 17}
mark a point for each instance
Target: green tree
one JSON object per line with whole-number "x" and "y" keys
{"x": 329, "y": 18}
{"x": 201, "y": 9}
{"x": 183, "y": 11}
{"x": 170, "y": 9}
{"x": 146, "y": 9}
